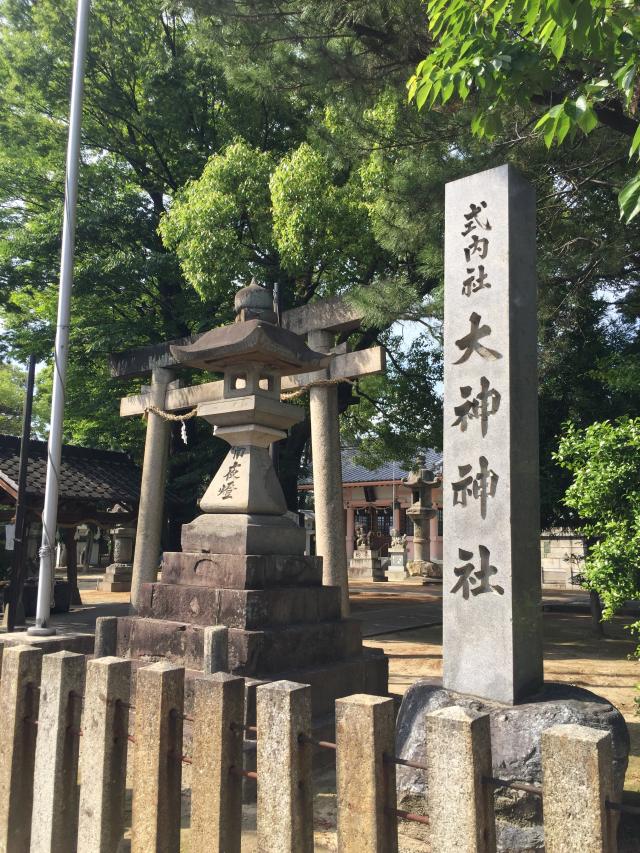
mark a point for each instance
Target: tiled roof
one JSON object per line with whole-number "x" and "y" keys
{"x": 86, "y": 475}
{"x": 388, "y": 472}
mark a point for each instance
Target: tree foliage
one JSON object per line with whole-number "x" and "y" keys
{"x": 278, "y": 141}
{"x": 603, "y": 460}
{"x": 579, "y": 59}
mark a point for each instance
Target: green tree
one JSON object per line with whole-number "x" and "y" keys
{"x": 578, "y": 59}
{"x": 13, "y": 389}
{"x": 604, "y": 495}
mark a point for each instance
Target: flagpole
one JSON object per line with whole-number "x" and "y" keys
{"x": 50, "y": 511}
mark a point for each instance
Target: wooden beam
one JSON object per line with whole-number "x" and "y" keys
{"x": 332, "y": 314}
{"x": 345, "y": 366}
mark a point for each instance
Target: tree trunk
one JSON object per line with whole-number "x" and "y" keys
{"x": 595, "y": 606}
{"x": 68, "y": 534}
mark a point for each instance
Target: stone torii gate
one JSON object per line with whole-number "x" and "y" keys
{"x": 320, "y": 322}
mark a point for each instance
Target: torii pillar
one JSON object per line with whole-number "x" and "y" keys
{"x": 152, "y": 488}
{"x": 327, "y": 477}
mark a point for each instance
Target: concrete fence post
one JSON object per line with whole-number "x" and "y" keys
{"x": 157, "y": 759}
{"x": 216, "y": 649}
{"x": 106, "y": 636}
{"x": 103, "y": 755}
{"x": 459, "y": 803}
{"x": 366, "y": 783}
{"x": 577, "y": 781}
{"x": 54, "y": 825}
{"x": 19, "y": 701}
{"x": 285, "y": 795}
{"x": 216, "y": 794}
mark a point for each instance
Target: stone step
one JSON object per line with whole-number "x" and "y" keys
{"x": 239, "y": 608}
{"x": 257, "y": 654}
{"x": 239, "y": 571}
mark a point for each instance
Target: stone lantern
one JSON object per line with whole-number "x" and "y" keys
{"x": 242, "y": 564}
{"x": 244, "y": 507}
{"x": 421, "y": 481}
{"x": 117, "y": 576}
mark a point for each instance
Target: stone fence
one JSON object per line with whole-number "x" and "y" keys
{"x": 69, "y": 719}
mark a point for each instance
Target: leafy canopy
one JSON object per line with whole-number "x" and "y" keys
{"x": 577, "y": 58}
{"x": 604, "y": 460}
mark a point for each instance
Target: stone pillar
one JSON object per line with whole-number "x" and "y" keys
{"x": 106, "y": 641}
{"x": 157, "y": 759}
{"x": 576, "y": 784}
{"x": 285, "y": 793}
{"x": 491, "y": 583}
{"x": 103, "y": 755}
{"x": 154, "y": 470}
{"x": 216, "y": 649}
{"x": 54, "y": 825}
{"x": 216, "y": 794}
{"x": 327, "y": 478}
{"x": 366, "y": 784}
{"x": 19, "y": 700}
{"x": 459, "y": 804}
{"x": 351, "y": 532}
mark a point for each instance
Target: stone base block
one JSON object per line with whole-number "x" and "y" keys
{"x": 396, "y": 574}
{"x": 117, "y": 578}
{"x": 231, "y": 533}
{"x": 516, "y": 732}
{"x": 239, "y": 608}
{"x": 366, "y": 568}
{"x": 251, "y": 653}
{"x": 238, "y": 571}
{"x": 80, "y": 643}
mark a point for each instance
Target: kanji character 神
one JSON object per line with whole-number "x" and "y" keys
{"x": 481, "y": 486}
{"x": 485, "y": 403}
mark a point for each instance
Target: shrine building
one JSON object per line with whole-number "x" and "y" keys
{"x": 378, "y": 499}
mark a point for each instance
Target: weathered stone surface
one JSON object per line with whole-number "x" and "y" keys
{"x": 516, "y": 733}
{"x": 265, "y": 652}
{"x": 459, "y": 803}
{"x": 243, "y": 534}
{"x": 577, "y": 783}
{"x": 21, "y": 668}
{"x": 365, "y": 784}
{"x": 103, "y": 755}
{"x": 216, "y": 649}
{"x": 216, "y": 800}
{"x": 240, "y": 571}
{"x": 254, "y": 653}
{"x": 54, "y": 824}
{"x": 285, "y": 791}
{"x": 237, "y": 608}
{"x": 106, "y": 636}
{"x": 491, "y": 584}
{"x": 80, "y": 643}
{"x": 157, "y": 768}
